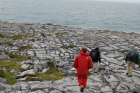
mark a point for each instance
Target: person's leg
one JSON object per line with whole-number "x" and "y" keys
{"x": 131, "y": 68}
{"x": 128, "y": 66}
{"x": 80, "y": 80}
{"x": 85, "y": 81}
{"x": 95, "y": 66}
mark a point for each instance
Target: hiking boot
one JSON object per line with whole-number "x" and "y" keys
{"x": 130, "y": 76}
{"x": 135, "y": 92}
{"x": 127, "y": 74}
{"x": 82, "y": 89}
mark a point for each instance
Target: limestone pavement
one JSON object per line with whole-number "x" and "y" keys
{"x": 61, "y": 44}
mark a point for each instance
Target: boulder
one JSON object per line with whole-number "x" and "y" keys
{"x": 27, "y": 72}
{"x": 3, "y": 80}
{"x": 25, "y": 67}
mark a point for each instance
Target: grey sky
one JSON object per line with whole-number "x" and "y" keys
{"x": 121, "y": 0}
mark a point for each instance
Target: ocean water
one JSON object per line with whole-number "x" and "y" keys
{"x": 85, "y": 14}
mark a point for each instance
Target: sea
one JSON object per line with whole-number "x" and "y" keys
{"x": 84, "y": 14}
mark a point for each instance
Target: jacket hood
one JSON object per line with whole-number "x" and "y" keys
{"x": 84, "y": 54}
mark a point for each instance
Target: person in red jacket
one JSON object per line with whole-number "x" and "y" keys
{"x": 83, "y": 63}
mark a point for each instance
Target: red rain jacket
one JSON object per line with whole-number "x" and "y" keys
{"x": 82, "y": 63}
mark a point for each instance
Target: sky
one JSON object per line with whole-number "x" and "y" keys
{"x": 121, "y": 0}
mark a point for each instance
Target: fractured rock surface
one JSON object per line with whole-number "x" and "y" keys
{"x": 61, "y": 44}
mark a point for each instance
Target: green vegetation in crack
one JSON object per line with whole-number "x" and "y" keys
{"x": 43, "y": 35}
{"x": 15, "y": 57}
{"x": 33, "y": 40}
{"x": 15, "y": 37}
{"x": 61, "y": 33}
{"x": 24, "y": 47}
{"x": 6, "y": 73}
{"x": 8, "y": 43}
{"x": 53, "y": 70}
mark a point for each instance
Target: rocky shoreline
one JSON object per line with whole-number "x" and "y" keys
{"x": 60, "y": 44}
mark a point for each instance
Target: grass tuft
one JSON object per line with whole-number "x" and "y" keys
{"x": 32, "y": 79}
{"x": 43, "y": 35}
{"x": 15, "y": 57}
{"x": 19, "y": 36}
{"x": 33, "y": 40}
{"x": 2, "y": 75}
{"x": 53, "y": 70}
{"x": 49, "y": 35}
{"x": 61, "y": 33}
{"x": 85, "y": 43}
{"x": 51, "y": 64}
{"x": 29, "y": 58}
{"x": 24, "y": 47}
{"x": 1, "y": 36}
{"x": 34, "y": 53}
{"x": 24, "y": 26}
{"x": 6, "y": 74}
{"x": 15, "y": 37}
{"x": 8, "y": 43}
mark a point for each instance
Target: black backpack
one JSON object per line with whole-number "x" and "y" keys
{"x": 94, "y": 54}
{"x": 132, "y": 55}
